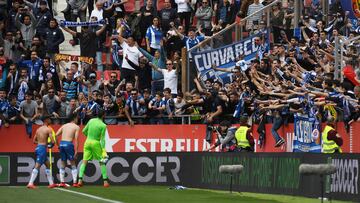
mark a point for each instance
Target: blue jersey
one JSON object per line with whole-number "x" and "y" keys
{"x": 40, "y": 152}
{"x": 66, "y": 151}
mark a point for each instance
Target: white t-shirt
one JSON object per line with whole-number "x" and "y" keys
{"x": 133, "y": 54}
{"x": 170, "y": 80}
{"x": 97, "y": 13}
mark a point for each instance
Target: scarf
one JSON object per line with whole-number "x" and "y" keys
{"x": 65, "y": 23}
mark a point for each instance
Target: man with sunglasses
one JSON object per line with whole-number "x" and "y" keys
{"x": 111, "y": 85}
{"x": 134, "y": 106}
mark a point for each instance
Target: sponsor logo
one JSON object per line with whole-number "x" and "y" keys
{"x": 4, "y": 169}
{"x": 159, "y": 169}
{"x": 345, "y": 180}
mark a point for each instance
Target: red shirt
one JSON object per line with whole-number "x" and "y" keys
{"x": 349, "y": 73}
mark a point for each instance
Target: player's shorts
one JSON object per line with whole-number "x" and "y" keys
{"x": 66, "y": 151}
{"x": 40, "y": 152}
{"x": 92, "y": 150}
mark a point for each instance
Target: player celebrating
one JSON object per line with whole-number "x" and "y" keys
{"x": 41, "y": 136}
{"x": 94, "y": 146}
{"x": 69, "y": 132}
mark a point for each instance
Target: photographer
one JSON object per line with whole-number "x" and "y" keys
{"x": 226, "y": 137}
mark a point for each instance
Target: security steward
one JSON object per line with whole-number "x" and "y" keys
{"x": 226, "y": 137}
{"x": 243, "y": 135}
{"x": 331, "y": 140}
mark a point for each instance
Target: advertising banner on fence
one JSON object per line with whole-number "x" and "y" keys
{"x": 169, "y": 138}
{"x": 262, "y": 173}
{"x": 141, "y": 138}
{"x": 225, "y": 57}
{"x": 307, "y": 135}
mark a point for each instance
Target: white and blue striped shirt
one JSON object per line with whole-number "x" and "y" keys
{"x": 154, "y": 35}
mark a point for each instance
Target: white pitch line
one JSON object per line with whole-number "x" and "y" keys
{"x": 90, "y": 196}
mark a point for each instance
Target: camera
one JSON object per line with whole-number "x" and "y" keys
{"x": 213, "y": 128}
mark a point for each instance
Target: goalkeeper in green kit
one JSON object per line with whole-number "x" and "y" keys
{"x": 94, "y": 146}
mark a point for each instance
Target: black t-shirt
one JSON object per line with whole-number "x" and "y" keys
{"x": 87, "y": 43}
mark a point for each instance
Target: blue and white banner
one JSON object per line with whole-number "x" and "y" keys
{"x": 307, "y": 135}
{"x": 225, "y": 57}
{"x": 64, "y": 23}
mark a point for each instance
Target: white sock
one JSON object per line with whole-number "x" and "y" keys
{"x": 62, "y": 175}
{"x": 49, "y": 176}
{"x": 74, "y": 174}
{"x": 33, "y": 176}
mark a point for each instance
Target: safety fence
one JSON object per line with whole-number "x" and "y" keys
{"x": 171, "y": 138}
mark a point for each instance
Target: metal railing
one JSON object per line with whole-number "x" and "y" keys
{"x": 339, "y": 55}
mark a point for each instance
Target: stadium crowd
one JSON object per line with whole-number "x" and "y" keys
{"x": 293, "y": 74}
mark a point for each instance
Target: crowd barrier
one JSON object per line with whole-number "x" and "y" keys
{"x": 168, "y": 138}
{"x": 276, "y": 173}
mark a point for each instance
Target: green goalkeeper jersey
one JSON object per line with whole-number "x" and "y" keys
{"x": 95, "y": 130}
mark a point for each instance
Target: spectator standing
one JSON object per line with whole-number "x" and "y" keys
{"x": 170, "y": 76}
{"x": 10, "y": 23}
{"x": 226, "y": 12}
{"x": 111, "y": 110}
{"x": 154, "y": 36}
{"x": 256, "y": 6}
{"x": 143, "y": 78}
{"x": 204, "y": 17}
{"x": 49, "y": 100}
{"x": 184, "y": 12}
{"x": 76, "y": 9}
{"x": 167, "y": 15}
{"x": 4, "y": 105}
{"x": 159, "y": 59}
{"x": 134, "y": 106}
{"x": 27, "y": 27}
{"x": 43, "y": 17}
{"x": 110, "y": 85}
{"x": 147, "y": 13}
{"x": 155, "y": 109}
{"x": 36, "y": 45}
{"x": 168, "y": 107}
{"x": 48, "y": 72}
{"x": 12, "y": 79}
{"x": 28, "y": 112}
{"x": 13, "y": 111}
{"x": 4, "y": 67}
{"x": 9, "y": 46}
{"x": 132, "y": 53}
{"x": 277, "y": 18}
{"x": 70, "y": 85}
{"x": 22, "y": 85}
{"x": 54, "y": 36}
{"x": 87, "y": 39}
{"x": 33, "y": 66}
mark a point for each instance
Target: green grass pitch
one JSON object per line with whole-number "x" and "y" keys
{"x": 141, "y": 194}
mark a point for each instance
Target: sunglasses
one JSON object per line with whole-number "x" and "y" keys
{"x": 113, "y": 76}
{"x": 169, "y": 64}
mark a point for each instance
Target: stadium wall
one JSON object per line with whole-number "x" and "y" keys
{"x": 275, "y": 173}
{"x": 168, "y": 138}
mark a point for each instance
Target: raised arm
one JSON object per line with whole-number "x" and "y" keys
{"x": 73, "y": 33}
{"x": 153, "y": 66}
{"x": 98, "y": 33}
